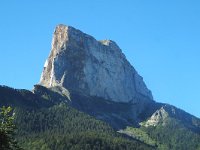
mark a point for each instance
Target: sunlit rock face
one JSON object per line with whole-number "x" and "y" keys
{"x": 159, "y": 117}
{"x": 79, "y": 62}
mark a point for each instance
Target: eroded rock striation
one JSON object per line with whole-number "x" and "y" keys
{"x": 79, "y": 62}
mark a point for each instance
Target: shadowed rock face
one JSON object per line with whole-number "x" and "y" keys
{"x": 79, "y": 62}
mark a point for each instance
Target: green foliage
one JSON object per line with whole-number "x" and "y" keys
{"x": 174, "y": 136}
{"x": 62, "y": 127}
{"x": 7, "y": 129}
{"x": 84, "y": 140}
{"x": 140, "y": 135}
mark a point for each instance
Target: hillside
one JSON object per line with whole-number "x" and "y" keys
{"x": 45, "y": 125}
{"x": 54, "y": 122}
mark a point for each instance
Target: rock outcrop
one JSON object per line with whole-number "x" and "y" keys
{"x": 79, "y": 62}
{"x": 159, "y": 117}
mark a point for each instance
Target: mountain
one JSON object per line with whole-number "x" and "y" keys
{"x": 90, "y": 97}
{"x": 79, "y": 62}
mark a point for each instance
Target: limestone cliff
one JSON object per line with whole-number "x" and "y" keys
{"x": 79, "y": 62}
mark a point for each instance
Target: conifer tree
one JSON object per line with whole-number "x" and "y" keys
{"x": 7, "y": 130}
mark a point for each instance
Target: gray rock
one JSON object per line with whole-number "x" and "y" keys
{"x": 79, "y": 62}
{"x": 159, "y": 117}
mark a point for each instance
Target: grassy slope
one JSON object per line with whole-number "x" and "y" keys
{"x": 173, "y": 135}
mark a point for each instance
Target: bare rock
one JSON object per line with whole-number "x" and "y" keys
{"x": 79, "y": 62}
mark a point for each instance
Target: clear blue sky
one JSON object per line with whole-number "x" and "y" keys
{"x": 161, "y": 39}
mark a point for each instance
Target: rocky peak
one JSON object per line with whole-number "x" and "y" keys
{"x": 110, "y": 44}
{"x": 159, "y": 117}
{"x": 79, "y": 62}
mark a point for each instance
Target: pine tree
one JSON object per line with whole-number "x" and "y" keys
{"x": 7, "y": 130}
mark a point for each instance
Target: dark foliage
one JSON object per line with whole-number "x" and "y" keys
{"x": 62, "y": 127}
{"x": 48, "y": 121}
{"x": 48, "y": 124}
{"x": 7, "y": 130}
